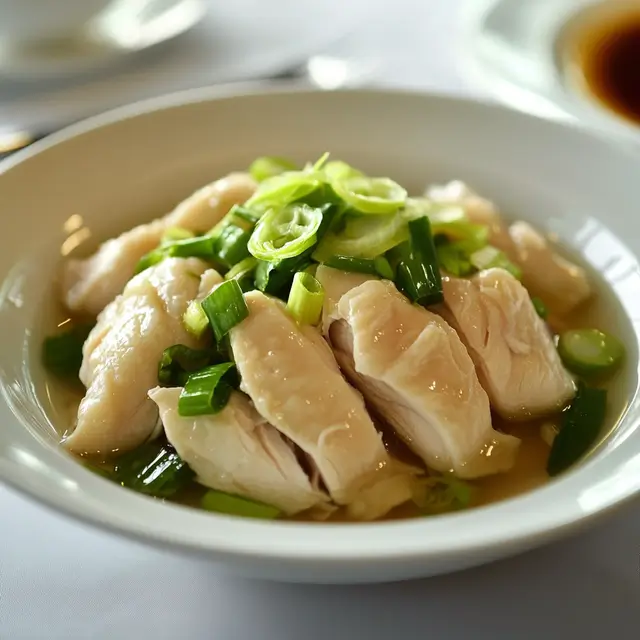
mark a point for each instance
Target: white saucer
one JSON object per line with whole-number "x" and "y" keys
{"x": 236, "y": 40}
{"x": 126, "y": 28}
{"x": 510, "y": 48}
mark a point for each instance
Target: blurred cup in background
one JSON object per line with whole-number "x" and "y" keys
{"x": 25, "y": 22}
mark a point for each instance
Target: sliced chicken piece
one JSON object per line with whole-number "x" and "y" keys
{"x": 296, "y": 385}
{"x": 561, "y": 284}
{"x": 90, "y": 284}
{"x": 514, "y": 353}
{"x": 411, "y": 366}
{"x": 209, "y": 281}
{"x": 478, "y": 210}
{"x": 335, "y": 284}
{"x": 121, "y": 355}
{"x": 206, "y": 207}
{"x": 237, "y": 451}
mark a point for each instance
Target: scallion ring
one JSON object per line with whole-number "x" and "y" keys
{"x": 371, "y": 195}
{"x": 285, "y": 233}
{"x": 306, "y": 299}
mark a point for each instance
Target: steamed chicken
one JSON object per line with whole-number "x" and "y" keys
{"x": 313, "y": 343}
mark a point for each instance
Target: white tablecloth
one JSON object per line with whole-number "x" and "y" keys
{"x": 64, "y": 581}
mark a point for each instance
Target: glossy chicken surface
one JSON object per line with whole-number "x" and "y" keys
{"x": 248, "y": 377}
{"x": 413, "y": 369}
{"x": 512, "y": 347}
{"x": 121, "y": 357}
{"x": 90, "y": 284}
{"x": 297, "y": 386}
{"x": 237, "y": 451}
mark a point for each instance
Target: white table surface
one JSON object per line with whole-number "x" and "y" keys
{"x": 62, "y": 580}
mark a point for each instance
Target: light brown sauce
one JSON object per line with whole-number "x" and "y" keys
{"x": 603, "y": 56}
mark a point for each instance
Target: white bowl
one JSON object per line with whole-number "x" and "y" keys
{"x": 130, "y": 165}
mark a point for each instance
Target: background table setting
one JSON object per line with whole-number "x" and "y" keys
{"x": 61, "y": 579}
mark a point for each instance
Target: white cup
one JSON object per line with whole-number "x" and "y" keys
{"x": 35, "y": 20}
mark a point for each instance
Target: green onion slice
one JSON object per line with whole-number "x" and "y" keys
{"x": 175, "y": 233}
{"x": 62, "y": 353}
{"x": 581, "y": 426}
{"x": 443, "y": 494}
{"x": 207, "y": 391}
{"x": 195, "y": 320}
{"x": 231, "y": 246}
{"x": 371, "y": 195}
{"x": 418, "y": 272}
{"x": 363, "y": 237}
{"x": 283, "y": 189}
{"x": 489, "y": 258}
{"x": 306, "y": 299}
{"x": 150, "y": 259}
{"x": 238, "y": 216}
{"x": 319, "y": 163}
{"x": 590, "y": 352}
{"x": 236, "y": 506}
{"x": 178, "y": 361}
{"x": 338, "y": 170}
{"x": 242, "y": 269}
{"x": 376, "y": 267}
{"x": 153, "y": 469}
{"x": 454, "y": 259}
{"x": 192, "y": 247}
{"x": 269, "y": 166}
{"x": 276, "y": 278}
{"x": 285, "y": 233}
{"x": 450, "y": 221}
{"x": 225, "y": 307}
{"x": 540, "y": 307}
{"x": 200, "y": 247}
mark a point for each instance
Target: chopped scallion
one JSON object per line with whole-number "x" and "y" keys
{"x": 444, "y": 493}
{"x": 589, "y": 352}
{"x": 338, "y": 170}
{"x": 363, "y": 237}
{"x": 490, "y": 258}
{"x": 377, "y": 267}
{"x": 283, "y": 189}
{"x": 236, "y": 506}
{"x": 540, "y": 307}
{"x": 285, "y": 233}
{"x": 154, "y": 470}
{"x": 192, "y": 247}
{"x": 418, "y": 272}
{"x": 225, "y": 307}
{"x": 371, "y": 195}
{"x": 242, "y": 269}
{"x": 581, "y": 425}
{"x": 306, "y": 299}
{"x": 276, "y": 279}
{"x": 195, "y": 320}
{"x": 454, "y": 259}
{"x": 206, "y": 391}
{"x": 62, "y": 353}
{"x": 231, "y": 245}
{"x": 267, "y": 167}
{"x": 178, "y": 361}
{"x": 150, "y": 259}
{"x": 200, "y": 247}
{"x": 175, "y": 233}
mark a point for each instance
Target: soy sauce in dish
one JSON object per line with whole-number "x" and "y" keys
{"x": 604, "y": 55}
